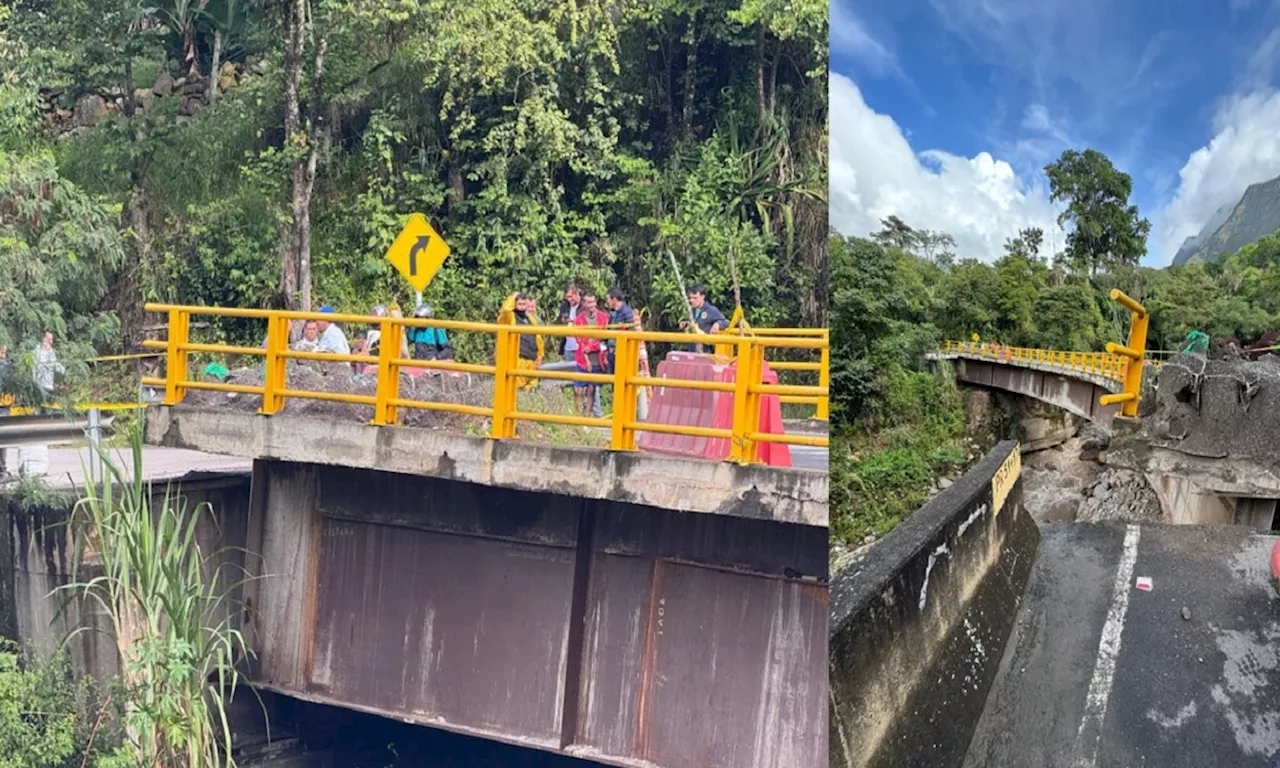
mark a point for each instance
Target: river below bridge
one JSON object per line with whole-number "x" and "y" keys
{"x": 307, "y": 735}
{"x": 1068, "y": 483}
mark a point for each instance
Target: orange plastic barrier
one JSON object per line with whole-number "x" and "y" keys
{"x": 707, "y": 409}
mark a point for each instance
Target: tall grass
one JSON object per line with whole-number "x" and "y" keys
{"x": 171, "y": 612}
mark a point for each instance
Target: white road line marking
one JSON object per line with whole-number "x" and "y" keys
{"x": 1104, "y": 671}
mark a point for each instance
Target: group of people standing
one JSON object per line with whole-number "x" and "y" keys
{"x": 580, "y": 307}
{"x": 418, "y": 343}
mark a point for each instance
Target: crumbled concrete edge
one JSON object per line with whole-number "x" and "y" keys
{"x": 667, "y": 482}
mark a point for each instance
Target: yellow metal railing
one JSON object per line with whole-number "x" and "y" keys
{"x": 1105, "y": 364}
{"x": 1133, "y": 351}
{"x": 822, "y": 404}
{"x": 623, "y": 423}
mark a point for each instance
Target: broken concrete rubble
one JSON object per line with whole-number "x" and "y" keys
{"x": 1217, "y": 408}
{"x": 1208, "y": 430}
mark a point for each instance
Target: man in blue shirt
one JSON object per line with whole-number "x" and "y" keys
{"x": 620, "y": 314}
{"x": 705, "y": 315}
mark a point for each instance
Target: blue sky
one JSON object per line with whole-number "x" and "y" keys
{"x": 945, "y": 111}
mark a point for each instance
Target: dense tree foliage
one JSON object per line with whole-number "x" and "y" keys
{"x": 546, "y": 141}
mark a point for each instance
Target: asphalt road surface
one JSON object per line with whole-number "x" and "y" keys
{"x": 1140, "y": 645}
{"x": 808, "y": 457}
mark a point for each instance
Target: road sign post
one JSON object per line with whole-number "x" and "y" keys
{"x": 418, "y": 252}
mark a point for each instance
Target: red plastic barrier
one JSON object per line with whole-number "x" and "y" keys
{"x": 1275, "y": 566}
{"x": 702, "y": 408}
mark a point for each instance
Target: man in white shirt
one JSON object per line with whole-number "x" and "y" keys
{"x": 310, "y": 341}
{"x": 47, "y": 365}
{"x": 332, "y": 339}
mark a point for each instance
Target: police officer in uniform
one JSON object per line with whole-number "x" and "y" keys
{"x": 705, "y": 315}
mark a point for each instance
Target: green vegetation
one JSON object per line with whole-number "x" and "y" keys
{"x": 46, "y": 721}
{"x": 37, "y": 712}
{"x": 172, "y": 610}
{"x": 265, "y": 154}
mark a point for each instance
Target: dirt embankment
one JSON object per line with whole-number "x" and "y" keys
{"x": 337, "y": 378}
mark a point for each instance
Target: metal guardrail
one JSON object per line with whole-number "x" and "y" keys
{"x": 1114, "y": 364}
{"x": 1134, "y": 351}
{"x": 822, "y": 405}
{"x": 1102, "y": 364}
{"x": 623, "y": 423}
{"x": 42, "y": 429}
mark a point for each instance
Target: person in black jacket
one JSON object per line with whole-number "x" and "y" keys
{"x": 705, "y": 315}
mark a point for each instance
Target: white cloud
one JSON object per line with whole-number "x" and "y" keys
{"x": 1244, "y": 150}
{"x": 875, "y": 173}
{"x": 1036, "y": 118}
{"x": 849, "y": 33}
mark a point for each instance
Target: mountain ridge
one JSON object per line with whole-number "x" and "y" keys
{"x": 1257, "y": 213}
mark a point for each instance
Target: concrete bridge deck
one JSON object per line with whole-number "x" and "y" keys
{"x": 665, "y": 482}
{"x": 1072, "y": 390}
{"x": 1100, "y": 673}
{"x": 67, "y": 466}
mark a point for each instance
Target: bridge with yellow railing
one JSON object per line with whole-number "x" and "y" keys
{"x": 1085, "y": 383}
{"x": 748, "y": 349}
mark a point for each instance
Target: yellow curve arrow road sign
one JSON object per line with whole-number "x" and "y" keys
{"x": 418, "y": 252}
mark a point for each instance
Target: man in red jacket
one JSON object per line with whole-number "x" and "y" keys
{"x": 590, "y": 354}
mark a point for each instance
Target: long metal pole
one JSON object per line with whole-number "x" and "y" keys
{"x": 95, "y": 446}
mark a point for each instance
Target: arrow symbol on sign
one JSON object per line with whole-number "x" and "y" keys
{"x": 421, "y": 245}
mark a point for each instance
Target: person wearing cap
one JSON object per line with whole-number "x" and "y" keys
{"x": 332, "y": 339}
{"x": 428, "y": 343}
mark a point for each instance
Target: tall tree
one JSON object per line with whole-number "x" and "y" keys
{"x": 1106, "y": 229}
{"x": 935, "y": 246}
{"x": 1027, "y": 244}
{"x": 896, "y": 233}
{"x": 304, "y": 135}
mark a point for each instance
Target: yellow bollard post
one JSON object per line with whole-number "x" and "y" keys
{"x": 752, "y": 410}
{"x": 625, "y": 361}
{"x": 275, "y": 367}
{"x": 388, "y": 372}
{"x": 824, "y": 380}
{"x": 739, "y": 447}
{"x": 503, "y": 385}
{"x": 176, "y": 358}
